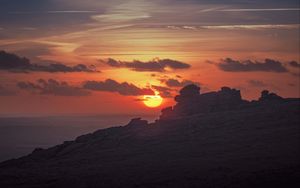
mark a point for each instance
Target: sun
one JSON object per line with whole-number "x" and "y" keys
{"x": 153, "y": 101}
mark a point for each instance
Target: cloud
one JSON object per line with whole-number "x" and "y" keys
{"x": 119, "y": 17}
{"x": 14, "y": 63}
{"x": 257, "y": 83}
{"x": 176, "y": 83}
{"x": 294, "y": 64}
{"x": 233, "y": 27}
{"x": 125, "y": 12}
{"x": 53, "y": 87}
{"x": 269, "y": 65}
{"x": 156, "y": 65}
{"x": 164, "y": 92}
{"x": 251, "y": 26}
{"x": 259, "y": 9}
{"x": 295, "y": 74}
{"x": 110, "y": 85}
{"x": 54, "y": 12}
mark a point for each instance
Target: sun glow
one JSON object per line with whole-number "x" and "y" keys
{"x": 153, "y": 101}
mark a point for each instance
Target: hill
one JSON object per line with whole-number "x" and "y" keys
{"x": 215, "y": 139}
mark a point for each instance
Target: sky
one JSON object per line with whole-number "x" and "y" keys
{"x": 101, "y": 57}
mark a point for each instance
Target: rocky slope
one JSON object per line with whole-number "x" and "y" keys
{"x": 252, "y": 144}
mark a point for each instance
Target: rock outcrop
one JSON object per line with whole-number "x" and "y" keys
{"x": 267, "y": 96}
{"x": 191, "y": 101}
{"x": 137, "y": 122}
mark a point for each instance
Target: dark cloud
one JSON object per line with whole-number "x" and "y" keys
{"x": 53, "y": 87}
{"x": 297, "y": 74}
{"x": 14, "y": 63}
{"x": 268, "y": 65}
{"x": 294, "y": 64}
{"x": 176, "y": 83}
{"x": 139, "y": 100}
{"x": 291, "y": 84}
{"x": 164, "y": 92}
{"x": 257, "y": 83}
{"x": 124, "y": 88}
{"x": 156, "y": 65}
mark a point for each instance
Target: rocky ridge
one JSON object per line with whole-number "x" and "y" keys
{"x": 214, "y": 139}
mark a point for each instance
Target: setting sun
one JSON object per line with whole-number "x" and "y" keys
{"x": 152, "y": 101}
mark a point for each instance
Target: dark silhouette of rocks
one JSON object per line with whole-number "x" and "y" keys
{"x": 137, "y": 122}
{"x": 266, "y": 96}
{"x": 213, "y": 139}
{"x": 191, "y": 101}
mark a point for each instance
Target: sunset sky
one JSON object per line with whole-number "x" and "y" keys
{"x": 101, "y": 57}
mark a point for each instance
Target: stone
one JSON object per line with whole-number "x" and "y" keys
{"x": 267, "y": 96}
{"x": 137, "y": 122}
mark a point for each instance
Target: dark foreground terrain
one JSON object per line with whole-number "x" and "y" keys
{"x": 249, "y": 144}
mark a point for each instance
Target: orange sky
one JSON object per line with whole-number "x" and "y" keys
{"x": 202, "y": 36}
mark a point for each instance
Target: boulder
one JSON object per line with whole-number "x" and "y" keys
{"x": 267, "y": 96}
{"x": 137, "y": 122}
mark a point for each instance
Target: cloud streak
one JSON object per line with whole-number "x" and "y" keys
{"x": 294, "y": 64}
{"x": 259, "y": 9}
{"x": 269, "y": 65}
{"x": 164, "y": 92}
{"x": 176, "y": 83}
{"x": 156, "y": 65}
{"x": 124, "y": 88}
{"x": 232, "y": 27}
{"x": 53, "y": 87}
{"x": 54, "y": 12}
{"x": 13, "y": 63}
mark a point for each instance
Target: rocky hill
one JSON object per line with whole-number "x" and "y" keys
{"x": 215, "y": 139}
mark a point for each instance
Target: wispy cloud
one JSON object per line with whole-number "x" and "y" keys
{"x": 124, "y": 88}
{"x": 258, "y": 9}
{"x": 263, "y": 26}
{"x": 71, "y": 11}
{"x": 120, "y": 17}
{"x": 210, "y": 9}
{"x": 155, "y": 65}
{"x": 54, "y": 12}
{"x": 53, "y": 87}
{"x": 128, "y": 11}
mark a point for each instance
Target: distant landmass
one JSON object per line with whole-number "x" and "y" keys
{"x": 214, "y": 139}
